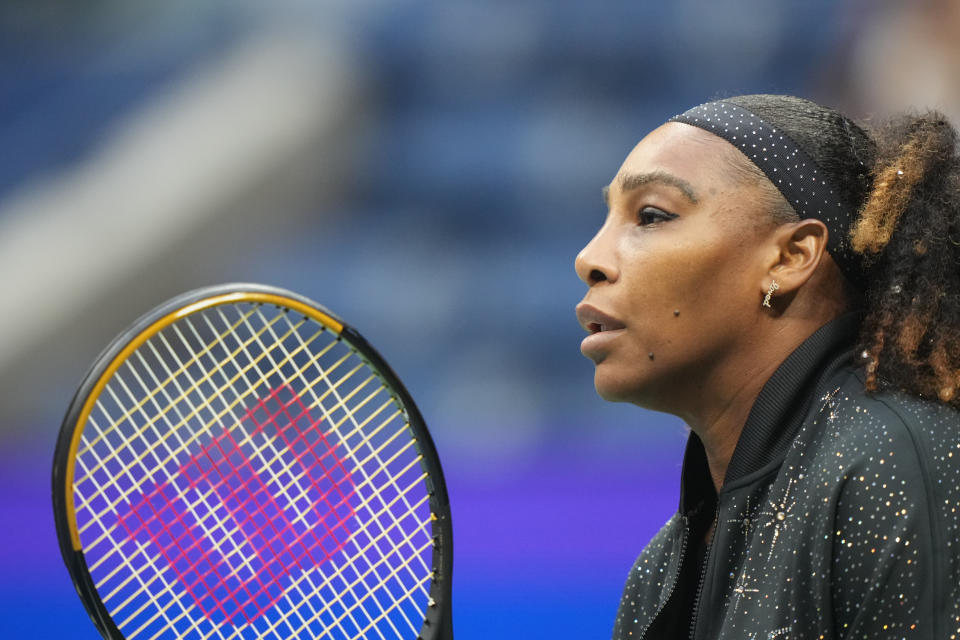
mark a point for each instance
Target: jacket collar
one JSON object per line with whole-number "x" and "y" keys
{"x": 777, "y": 414}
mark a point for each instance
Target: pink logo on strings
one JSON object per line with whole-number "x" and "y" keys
{"x": 241, "y": 520}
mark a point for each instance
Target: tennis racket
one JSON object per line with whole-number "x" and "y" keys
{"x": 241, "y": 464}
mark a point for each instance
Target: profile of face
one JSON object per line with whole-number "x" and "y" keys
{"x": 675, "y": 272}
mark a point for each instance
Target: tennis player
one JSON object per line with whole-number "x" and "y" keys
{"x": 789, "y": 285}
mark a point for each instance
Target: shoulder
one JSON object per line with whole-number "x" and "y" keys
{"x": 886, "y": 466}
{"x": 869, "y": 447}
{"x": 892, "y": 428}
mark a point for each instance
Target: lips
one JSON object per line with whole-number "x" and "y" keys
{"x": 595, "y": 321}
{"x": 603, "y": 329}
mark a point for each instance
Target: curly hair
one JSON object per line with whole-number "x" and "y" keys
{"x": 903, "y": 179}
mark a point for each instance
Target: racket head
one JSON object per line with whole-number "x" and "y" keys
{"x": 361, "y": 529}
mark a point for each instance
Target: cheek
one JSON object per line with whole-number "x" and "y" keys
{"x": 690, "y": 278}
{"x": 687, "y": 301}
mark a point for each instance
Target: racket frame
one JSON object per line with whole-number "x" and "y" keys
{"x": 437, "y": 623}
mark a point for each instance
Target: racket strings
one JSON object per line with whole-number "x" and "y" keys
{"x": 85, "y": 447}
{"x": 266, "y": 464}
{"x": 190, "y": 506}
{"x": 284, "y": 468}
{"x": 217, "y": 542}
{"x": 410, "y": 465}
{"x": 184, "y": 423}
{"x": 341, "y": 401}
{"x": 418, "y": 585}
{"x": 358, "y": 580}
{"x": 183, "y": 397}
{"x": 171, "y": 453}
{"x": 150, "y": 409}
{"x": 127, "y": 442}
{"x": 340, "y": 571}
{"x": 171, "y": 456}
{"x": 116, "y": 423}
{"x": 150, "y": 594}
{"x": 364, "y": 461}
{"x": 381, "y": 536}
{"x": 384, "y": 613}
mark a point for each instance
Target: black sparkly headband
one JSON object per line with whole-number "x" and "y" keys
{"x": 789, "y": 168}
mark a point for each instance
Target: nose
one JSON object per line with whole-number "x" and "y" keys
{"x": 596, "y": 262}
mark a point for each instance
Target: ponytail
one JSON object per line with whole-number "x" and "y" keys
{"x": 908, "y": 231}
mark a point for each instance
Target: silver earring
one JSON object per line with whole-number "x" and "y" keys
{"x": 774, "y": 285}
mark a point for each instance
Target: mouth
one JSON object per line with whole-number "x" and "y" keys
{"x": 595, "y": 321}
{"x": 595, "y": 327}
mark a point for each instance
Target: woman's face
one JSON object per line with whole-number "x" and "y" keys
{"x": 676, "y": 272}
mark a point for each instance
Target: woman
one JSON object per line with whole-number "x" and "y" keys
{"x": 790, "y": 287}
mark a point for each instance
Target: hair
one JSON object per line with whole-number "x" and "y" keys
{"x": 903, "y": 178}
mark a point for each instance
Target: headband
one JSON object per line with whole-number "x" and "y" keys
{"x": 790, "y": 170}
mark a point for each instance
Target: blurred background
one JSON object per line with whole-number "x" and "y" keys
{"x": 427, "y": 170}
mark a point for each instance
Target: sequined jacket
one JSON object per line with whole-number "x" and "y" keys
{"x": 839, "y": 517}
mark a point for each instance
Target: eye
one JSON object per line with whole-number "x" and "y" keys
{"x": 651, "y": 215}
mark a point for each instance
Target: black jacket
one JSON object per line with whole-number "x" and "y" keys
{"x": 839, "y": 517}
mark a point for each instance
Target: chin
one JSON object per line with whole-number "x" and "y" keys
{"x": 644, "y": 392}
{"x": 615, "y": 389}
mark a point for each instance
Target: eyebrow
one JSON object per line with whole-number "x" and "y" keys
{"x": 631, "y": 181}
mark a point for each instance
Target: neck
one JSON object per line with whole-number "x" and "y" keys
{"x": 729, "y": 390}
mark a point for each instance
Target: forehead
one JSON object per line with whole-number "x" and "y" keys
{"x": 684, "y": 151}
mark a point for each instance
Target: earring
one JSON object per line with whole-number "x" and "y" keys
{"x": 774, "y": 285}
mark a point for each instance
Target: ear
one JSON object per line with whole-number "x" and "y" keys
{"x": 796, "y": 251}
